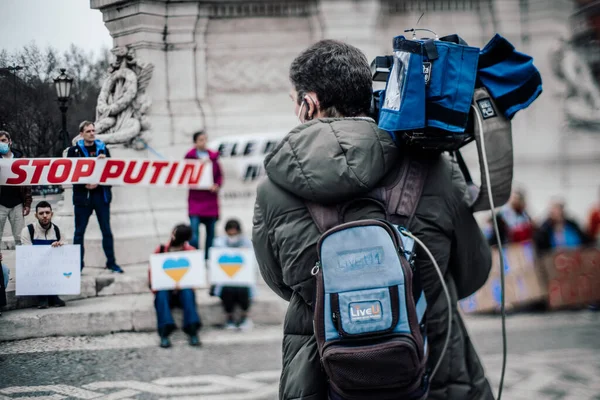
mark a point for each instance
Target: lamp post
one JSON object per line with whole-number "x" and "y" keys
{"x": 63, "y": 84}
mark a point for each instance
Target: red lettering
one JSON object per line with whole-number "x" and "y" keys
{"x": 172, "y": 172}
{"x": 53, "y": 178}
{"x": 554, "y": 293}
{"x": 83, "y": 169}
{"x": 128, "y": 178}
{"x": 112, "y": 169}
{"x": 39, "y": 168}
{"x": 189, "y": 170}
{"x": 17, "y": 169}
{"x": 158, "y": 167}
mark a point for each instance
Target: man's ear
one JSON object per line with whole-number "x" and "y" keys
{"x": 312, "y": 107}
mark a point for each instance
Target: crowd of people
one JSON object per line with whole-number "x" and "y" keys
{"x": 88, "y": 199}
{"x": 556, "y": 231}
{"x": 337, "y": 155}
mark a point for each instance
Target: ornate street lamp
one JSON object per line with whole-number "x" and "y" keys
{"x": 63, "y": 84}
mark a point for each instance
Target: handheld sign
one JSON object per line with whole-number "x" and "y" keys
{"x": 177, "y": 270}
{"x": 46, "y": 270}
{"x": 232, "y": 266}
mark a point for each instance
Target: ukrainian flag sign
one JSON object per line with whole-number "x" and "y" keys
{"x": 178, "y": 270}
{"x": 232, "y": 266}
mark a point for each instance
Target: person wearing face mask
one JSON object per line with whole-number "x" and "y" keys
{"x": 15, "y": 201}
{"x": 232, "y": 296}
{"x": 164, "y": 300}
{"x": 338, "y": 156}
{"x": 43, "y": 233}
{"x": 91, "y": 198}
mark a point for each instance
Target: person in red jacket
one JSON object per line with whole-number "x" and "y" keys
{"x": 594, "y": 224}
{"x": 164, "y": 299}
{"x": 203, "y": 205}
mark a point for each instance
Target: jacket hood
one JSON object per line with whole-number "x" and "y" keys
{"x": 213, "y": 155}
{"x": 330, "y": 160}
{"x": 16, "y": 153}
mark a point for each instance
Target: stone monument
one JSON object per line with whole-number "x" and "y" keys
{"x": 222, "y": 67}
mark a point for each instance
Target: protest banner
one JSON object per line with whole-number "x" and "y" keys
{"x": 177, "y": 270}
{"x": 46, "y": 270}
{"x": 573, "y": 277}
{"x": 524, "y": 282}
{"x": 232, "y": 266}
{"x": 108, "y": 171}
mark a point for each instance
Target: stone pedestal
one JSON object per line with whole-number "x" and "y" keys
{"x": 223, "y": 67}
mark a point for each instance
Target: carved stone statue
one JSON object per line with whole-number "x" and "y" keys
{"x": 582, "y": 102}
{"x": 122, "y": 103}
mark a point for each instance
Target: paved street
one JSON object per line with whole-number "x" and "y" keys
{"x": 552, "y": 356}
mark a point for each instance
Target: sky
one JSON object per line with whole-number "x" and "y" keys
{"x": 57, "y": 23}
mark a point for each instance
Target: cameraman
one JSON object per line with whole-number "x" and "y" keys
{"x": 338, "y": 154}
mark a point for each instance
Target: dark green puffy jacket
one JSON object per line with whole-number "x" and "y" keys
{"x": 331, "y": 161}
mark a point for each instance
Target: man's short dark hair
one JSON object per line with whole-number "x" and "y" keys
{"x": 84, "y": 125}
{"x": 42, "y": 204}
{"x": 340, "y": 76}
{"x": 233, "y": 224}
{"x": 198, "y": 134}
{"x": 4, "y": 133}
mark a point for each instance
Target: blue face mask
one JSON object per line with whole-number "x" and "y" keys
{"x": 4, "y": 148}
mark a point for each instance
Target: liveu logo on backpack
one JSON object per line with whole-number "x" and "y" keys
{"x": 370, "y": 313}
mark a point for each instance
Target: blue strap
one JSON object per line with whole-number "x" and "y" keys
{"x": 156, "y": 153}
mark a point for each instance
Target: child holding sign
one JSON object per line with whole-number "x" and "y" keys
{"x": 234, "y": 295}
{"x": 164, "y": 299}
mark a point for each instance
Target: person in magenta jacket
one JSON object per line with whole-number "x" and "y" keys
{"x": 203, "y": 205}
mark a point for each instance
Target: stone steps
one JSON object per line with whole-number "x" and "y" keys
{"x": 103, "y": 315}
{"x": 95, "y": 282}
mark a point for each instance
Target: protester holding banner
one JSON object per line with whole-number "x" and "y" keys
{"x": 92, "y": 197}
{"x": 518, "y": 225}
{"x": 165, "y": 299}
{"x": 43, "y": 233}
{"x": 559, "y": 232}
{"x": 15, "y": 201}
{"x": 203, "y": 205}
{"x": 234, "y": 295}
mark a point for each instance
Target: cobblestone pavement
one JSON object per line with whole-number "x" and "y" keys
{"x": 552, "y": 356}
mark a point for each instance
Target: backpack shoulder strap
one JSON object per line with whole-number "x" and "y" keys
{"x": 31, "y": 231}
{"x": 57, "y": 232}
{"x": 403, "y": 195}
{"x": 325, "y": 217}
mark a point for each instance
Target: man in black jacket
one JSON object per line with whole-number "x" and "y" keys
{"x": 90, "y": 198}
{"x": 559, "y": 232}
{"x": 339, "y": 154}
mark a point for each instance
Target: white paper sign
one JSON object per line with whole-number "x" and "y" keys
{"x": 232, "y": 266}
{"x": 177, "y": 270}
{"x": 46, "y": 270}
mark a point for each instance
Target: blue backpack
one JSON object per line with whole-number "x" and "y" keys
{"x": 369, "y": 318}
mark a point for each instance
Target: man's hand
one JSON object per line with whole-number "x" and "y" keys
{"x": 214, "y": 188}
{"x": 91, "y": 186}
{"x": 102, "y": 156}
{"x": 57, "y": 244}
{"x": 26, "y": 211}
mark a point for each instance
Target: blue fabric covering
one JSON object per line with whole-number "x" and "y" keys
{"x": 510, "y": 77}
{"x": 411, "y": 103}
